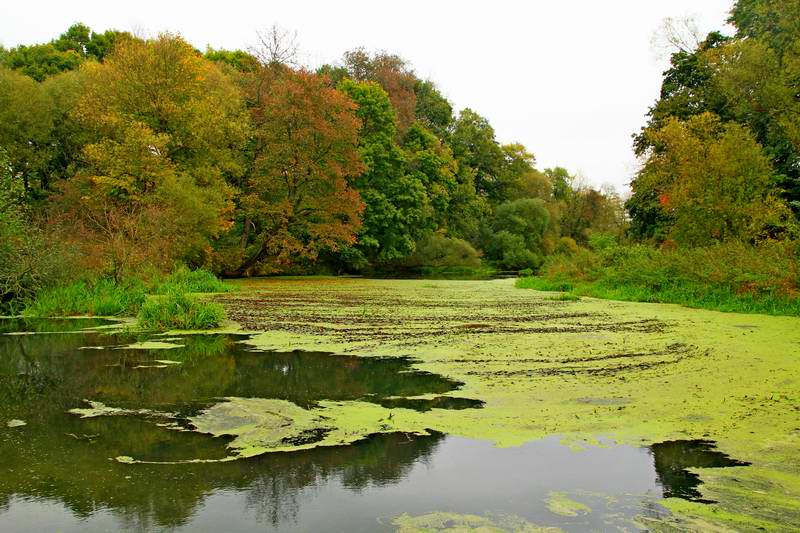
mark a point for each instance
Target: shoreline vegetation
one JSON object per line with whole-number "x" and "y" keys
{"x": 135, "y": 172}
{"x": 170, "y": 302}
{"x": 726, "y": 277}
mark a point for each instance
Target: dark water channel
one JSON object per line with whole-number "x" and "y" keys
{"x": 56, "y": 475}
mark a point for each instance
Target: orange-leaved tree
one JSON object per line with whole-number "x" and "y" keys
{"x": 295, "y": 198}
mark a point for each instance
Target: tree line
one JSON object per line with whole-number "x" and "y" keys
{"x": 721, "y": 148}
{"x": 121, "y": 153}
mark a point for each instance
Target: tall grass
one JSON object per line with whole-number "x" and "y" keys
{"x": 100, "y": 298}
{"x": 726, "y": 277}
{"x": 172, "y": 307}
{"x": 178, "y": 310}
{"x": 193, "y": 281}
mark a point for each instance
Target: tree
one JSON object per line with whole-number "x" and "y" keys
{"x": 393, "y": 74}
{"x": 467, "y": 210}
{"x": 42, "y": 60}
{"x": 25, "y": 126}
{"x": 296, "y": 199}
{"x": 474, "y": 145}
{"x": 277, "y": 46}
{"x": 713, "y": 181}
{"x": 517, "y": 234}
{"x": 432, "y": 163}
{"x": 397, "y": 208}
{"x": 238, "y": 59}
{"x": 164, "y": 128}
{"x": 527, "y": 217}
{"x": 561, "y": 182}
{"x": 776, "y": 21}
{"x": 518, "y": 177}
{"x": 752, "y": 79}
{"x": 28, "y": 260}
{"x": 67, "y": 135}
{"x": 65, "y": 53}
{"x": 433, "y": 110}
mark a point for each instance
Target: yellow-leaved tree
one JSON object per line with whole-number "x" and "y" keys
{"x": 164, "y": 127}
{"x": 713, "y": 181}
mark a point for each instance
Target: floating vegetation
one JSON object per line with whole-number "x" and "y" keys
{"x": 560, "y": 504}
{"x": 465, "y": 523}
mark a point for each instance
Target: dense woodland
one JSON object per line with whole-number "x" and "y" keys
{"x": 122, "y": 156}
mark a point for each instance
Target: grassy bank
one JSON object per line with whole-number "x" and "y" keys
{"x": 164, "y": 302}
{"x": 730, "y": 277}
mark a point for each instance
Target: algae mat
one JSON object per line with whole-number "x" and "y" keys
{"x": 586, "y": 370}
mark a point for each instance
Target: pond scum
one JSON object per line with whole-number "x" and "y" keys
{"x": 585, "y": 370}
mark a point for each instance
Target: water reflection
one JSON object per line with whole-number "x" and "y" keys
{"x": 673, "y": 458}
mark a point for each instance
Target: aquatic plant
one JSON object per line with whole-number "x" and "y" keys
{"x": 100, "y": 297}
{"x": 184, "y": 279}
{"x": 178, "y": 310}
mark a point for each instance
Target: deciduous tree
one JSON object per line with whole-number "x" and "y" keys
{"x": 296, "y": 199}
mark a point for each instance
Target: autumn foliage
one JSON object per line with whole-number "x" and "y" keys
{"x": 296, "y": 200}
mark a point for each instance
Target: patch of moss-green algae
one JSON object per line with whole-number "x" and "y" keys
{"x": 465, "y": 523}
{"x": 636, "y": 373}
{"x": 560, "y": 504}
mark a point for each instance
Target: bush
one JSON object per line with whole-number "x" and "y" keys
{"x": 185, "y": 280}
{"x": 100, "y": 298}
{"x": 566, "y": 246}
{"x": 440, "y": 251}
{"x": 29, "y": 260}
{"x": 177, "y": 310}
{"x": 511, "y": 252}
{"x": 601, "y": 242}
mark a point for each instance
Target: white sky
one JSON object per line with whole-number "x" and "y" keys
{"x": 570, "y": 79}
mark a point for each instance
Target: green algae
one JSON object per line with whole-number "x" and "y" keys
{"x": 466, "y": 523}
{"x": 151, "y": 345}
{"x": 260, "y": 425}
{"x": 560, "y": 504}
{"x": 633, "y": 373}
{"x": 96, "y": 409}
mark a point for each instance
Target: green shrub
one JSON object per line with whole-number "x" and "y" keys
{"x": 544, "y": 284}
{"x": 177, "y": 310}
{"x": 30, "y": 260}
{"x": 100, "y": 298}
{"x": 601, "y": 241}
{"x": 185, "y": 280}
{"x": 565, "y": 297}
{"x": 512, "y": 253}
{"x": 440, "y": 251}
{"x": 566, "y": 246}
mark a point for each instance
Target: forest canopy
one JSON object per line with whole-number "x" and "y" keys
{"x": 141, "y": 153}
{"x": 146, "y": 151}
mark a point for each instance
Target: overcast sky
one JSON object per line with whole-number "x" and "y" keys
{"x": 570, "y": 79}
